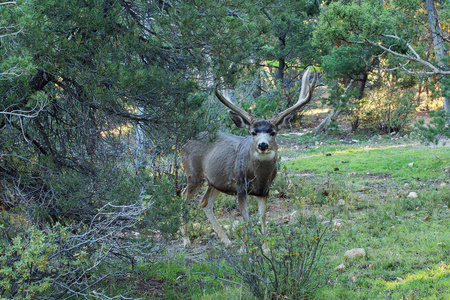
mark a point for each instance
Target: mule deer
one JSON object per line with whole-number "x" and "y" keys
{"x": 237, "y": 165}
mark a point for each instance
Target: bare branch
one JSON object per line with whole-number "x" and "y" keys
{"x": 8, "y": 2}
{"x": 415, "y": 58}
{"x": 32, "y": 113}
{"x": 9, "y": 74}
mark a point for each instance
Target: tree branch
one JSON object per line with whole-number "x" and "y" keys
{"x": 415, "y": 58}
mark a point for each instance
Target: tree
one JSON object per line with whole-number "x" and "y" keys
{"x": 382, "y": 26}
{"x": 66, "y": 123}
{"x": 439, "y": 47}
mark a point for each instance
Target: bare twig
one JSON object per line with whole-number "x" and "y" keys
{"x": 415, "y": 57}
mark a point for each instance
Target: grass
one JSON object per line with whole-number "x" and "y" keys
{"x": 390, "y": 160}
{"x": 406, "y": 239}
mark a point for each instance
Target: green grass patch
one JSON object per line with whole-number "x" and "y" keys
{"x": 182, "y": 278}
{"x": 392, "y": 161}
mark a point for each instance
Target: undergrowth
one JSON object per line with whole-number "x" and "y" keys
{"x": 390, "y": 199}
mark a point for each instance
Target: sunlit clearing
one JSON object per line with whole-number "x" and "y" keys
{"x": 119, "y": 130}
{"x": 316, "y": 111}
{"x": 439, "y": 271}
{"x": 354, "y": 150}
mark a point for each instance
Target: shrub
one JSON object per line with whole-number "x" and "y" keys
{"x": 74, "y": 260}
{"x": 439, "y": 126}
{"x": 292, "y": 267}
{"x": 25, "y": 271}
{"x": 388, "y": 109}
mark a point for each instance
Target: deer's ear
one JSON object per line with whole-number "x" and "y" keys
{"x": 239, "y": 121}
{"x": 284, "y": 123}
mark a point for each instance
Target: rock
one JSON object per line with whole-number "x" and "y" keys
{"x": 411, "y": 165}
{"x": 340, "y": 268}
{"x": 412, "y": 195}
{"x": 355, "y": 253}
{"x": 286, "y": 219}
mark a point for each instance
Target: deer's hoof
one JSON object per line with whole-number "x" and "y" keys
{"x": 187, "y": 244}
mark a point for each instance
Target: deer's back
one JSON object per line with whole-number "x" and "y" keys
{"x": 212, "y": 161}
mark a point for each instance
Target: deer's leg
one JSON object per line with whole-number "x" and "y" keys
{"x": 208, "y": 207}
{"x": 262, "y": 209}
{"x": 243, "y": 206}
{"x": 188, "y": 193}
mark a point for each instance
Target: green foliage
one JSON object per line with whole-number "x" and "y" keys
{"x": 438, "y": 126}
{"x": 353, "y": 34}
{"x": 66, "y": 261}
{"x": 345, "y": 61}
{"x": 25, "y": 266}
{"x": 292, "y": 267}
{"x": 164, "y": 217}
{"x": 353, "y": 22}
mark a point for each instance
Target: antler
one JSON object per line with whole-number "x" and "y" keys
{"x": 304, "y": 97}
{"x": 246, "y": 116}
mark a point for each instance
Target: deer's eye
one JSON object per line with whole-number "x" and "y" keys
{"x": 254, "y": 133}
{"x": 273, "y": 133}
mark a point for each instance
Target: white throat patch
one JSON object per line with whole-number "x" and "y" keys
{"x": 268, "y": 155}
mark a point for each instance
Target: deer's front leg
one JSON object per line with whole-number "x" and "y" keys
{"x": 262, "y": 209}
{"x": 243, "y": 206}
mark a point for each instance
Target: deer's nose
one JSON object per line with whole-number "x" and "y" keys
{"x": 263, "y": 146}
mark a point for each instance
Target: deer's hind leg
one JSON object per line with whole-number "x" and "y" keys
{"x": 188, "y": 193}
{"x": 208, "y": 206}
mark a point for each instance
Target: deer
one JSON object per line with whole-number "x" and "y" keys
{"x": 237, "y": 165}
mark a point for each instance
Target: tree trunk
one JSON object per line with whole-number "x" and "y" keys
{"x": 281, "y": 61}
{"x": 439, "y": 46}
{"x": 362, "y": 84}
{"x": 141, "y": 158}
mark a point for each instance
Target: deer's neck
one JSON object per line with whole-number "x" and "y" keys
{"x": 255, "y": 171}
